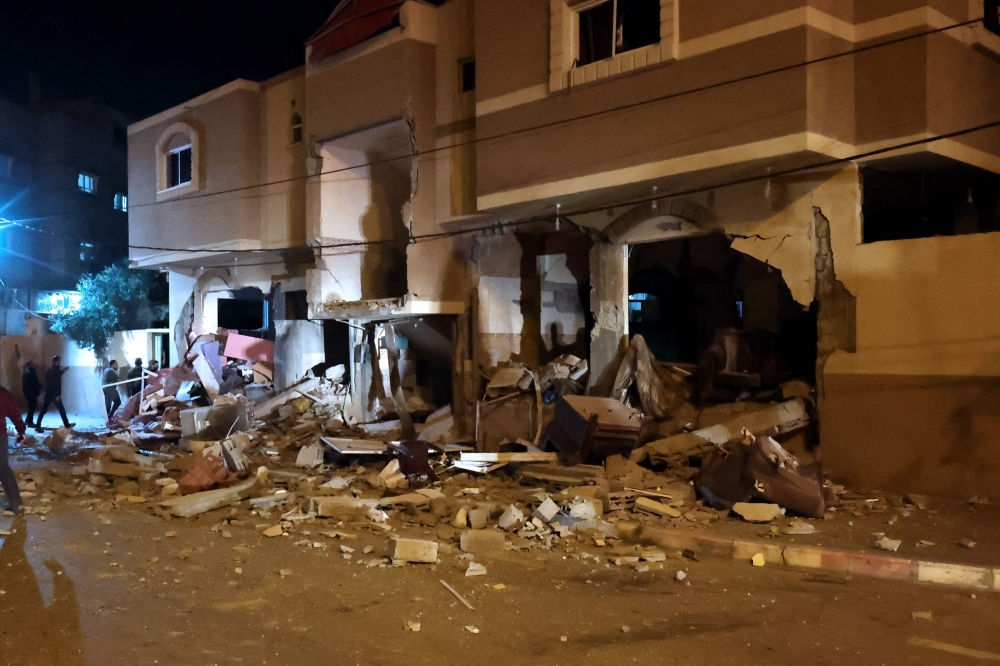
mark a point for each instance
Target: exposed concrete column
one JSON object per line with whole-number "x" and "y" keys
{"x": 836, "y": 318}
{"x": 609, "y": 304}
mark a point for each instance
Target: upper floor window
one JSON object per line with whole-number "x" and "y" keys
{"x": 296, "y": 128}
{"x": 179, "y": 166}
{"x": 178, "y": 161}
{"x": 616, "y": 26}
{"x": 86, "y": 182}
{"x": 121, "y": 202}
{"x": 468, "y": 74}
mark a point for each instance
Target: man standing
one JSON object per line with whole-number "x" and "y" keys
{"x": 135, "y": 372}
{"x": 53, "y": 393}
{"x": 154, "y": 366}
{"x": 31, "y": 387}
{"x": 112, "y": 399}
{"x": 9, "y": 409}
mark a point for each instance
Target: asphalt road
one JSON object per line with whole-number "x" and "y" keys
{"x": 101, "y": 587}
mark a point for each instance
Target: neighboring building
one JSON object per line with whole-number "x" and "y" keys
{"x": 295, "y": 202}
{"x": 63, "y": 173}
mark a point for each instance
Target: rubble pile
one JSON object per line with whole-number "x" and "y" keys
{"x": 544, "y": 467}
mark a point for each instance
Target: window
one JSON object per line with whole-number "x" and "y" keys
{"x": 86, "y": 252}
{"x": 179, "y": 166}
{"x": 617, "y": 26}
{"x": 121, "y": 202}
{"x": 86, "y": 183}
{"x": 468, "y": 74}
{"x": 296, "y": 128}
{"x": 643, "y": 308}
{"x": 242, "y": 314}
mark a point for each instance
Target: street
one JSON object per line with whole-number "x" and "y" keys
{"x": 78, "y": 591}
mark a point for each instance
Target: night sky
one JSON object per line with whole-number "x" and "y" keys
{"x": 141, "y": 57}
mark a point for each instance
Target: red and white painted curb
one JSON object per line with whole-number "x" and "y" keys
{"x": 859, "y": 563}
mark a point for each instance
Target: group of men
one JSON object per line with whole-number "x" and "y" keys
{"x": 112, "y": 398}
{"x": 32, "y": 388}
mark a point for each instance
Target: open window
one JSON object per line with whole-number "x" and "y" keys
{"x": 616, "y": 26}
{"x": 296, "y": 128}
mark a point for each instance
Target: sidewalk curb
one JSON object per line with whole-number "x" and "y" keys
{"x": 861, "y": 563}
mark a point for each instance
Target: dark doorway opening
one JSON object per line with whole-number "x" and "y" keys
{"x": 698, "y": 302}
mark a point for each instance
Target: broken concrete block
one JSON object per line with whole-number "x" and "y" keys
{"x": 756, "y": 512}
{"x": 656, "y": 508}
{"x": 192, "y": 505}
{"x": 653, "y": 555}
{"x": 511, "y": 519}
{"x": 475, "y": 569}
{"x": 96, "y": 466}
{"x": 587, "y": 509}
{"x": 757, "y": 560}
{"x": 919, "y": 501}
{"x": 273, "y": 531}
{"x": 482, "y": 542}
{"x": 461, "y": 518}
{"x": 546, "y": 511}
{"x": 310, "y": 456}
{"x": 341, "y": 507}
{"x": 799, "y": 527}
{"x": 478, "y": 519}
{"x": 885, "y": 543}
{"x": 415, "y": 550}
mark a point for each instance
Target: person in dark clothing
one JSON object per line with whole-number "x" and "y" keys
{"x": 9, "y": 409}
{"x": 135, "y": 372}
{"x": 112, "y": 399}
{"x": 31, "y": 387}
{"x": 53, "y": 393}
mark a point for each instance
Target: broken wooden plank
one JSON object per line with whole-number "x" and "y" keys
{"x": 457, "y": 595}
{"x": 197, "y": 503}
{"x": 656, "y": 508}
{"x": 478, "y": 457}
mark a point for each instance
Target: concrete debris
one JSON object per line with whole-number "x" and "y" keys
{"x": 757, "y": 560}
{"x": 680, "y": 575}
{"x": 511, "y": 519}
{"x": 482, "y": 542}
{"x": 546, "y": 511}
{"x": 648, "y": 505}
{"x": 310, "y": 456}
{"x": 475, "y": 569}
{"x": 967, "y": 543}
{"x": 799, "y": 527}
{"x": 755, "y": 512}
{"x": 922, "y": 615}
{"x": 414, "y": 550}
{"x": 885, "y": 543}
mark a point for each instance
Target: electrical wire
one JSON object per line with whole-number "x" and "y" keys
{"x": 593, "y": 114}
{"x": 551, "y": 217}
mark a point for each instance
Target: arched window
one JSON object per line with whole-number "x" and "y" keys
{"x": 177, "y": 161}
{"x": 296, "y": 128}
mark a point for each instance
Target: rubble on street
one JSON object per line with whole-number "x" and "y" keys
{"x": 596, "y": 470}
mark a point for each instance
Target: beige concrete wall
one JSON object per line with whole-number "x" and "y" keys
{"x": 229, "y": 134}
{"x": 283, "y": 214}
{"x": 81, "y": 383}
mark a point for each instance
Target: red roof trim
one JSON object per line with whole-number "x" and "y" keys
{"x": 353, "y": 22}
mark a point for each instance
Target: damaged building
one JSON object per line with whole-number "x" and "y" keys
{"x": 448, "y": 190}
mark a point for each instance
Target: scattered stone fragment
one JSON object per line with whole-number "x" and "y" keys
{"x": 924, "y": 544}
{"x": 757, "y": 560}
{"x": 921, "y": 615}
{"x": 461, "y": 519}
{"x": 482, "y": 541}
{"x": 499, "y": 586}
{"x": 412, "y": 626}
{"x": 415, "y": 550}
{"x": 979, "y": 500}
{"x": 919, "y": 501}
{"x": 653, "y": 555}
{"x": 625, "y": 629}
{"x": 511, "y": 519}
{"x": 273, "y": 531}
{"x": 756, "y": 512}
{"x": 479, "y": 519}
{"x": 967, "y": 543}
{"x": 885, "y": 543}
{"x": 690, "y": 554}
{"x": 641, "y": 567}
{"x": 284, "y": 573}
{"x": 799, "y": 527}
{"x": 475, "y": 569}
{"x": 546, "y": 511}
{"x": 471, "y": 629}
{"x": 680, "y": 575}
{"x": 656, "y": 508}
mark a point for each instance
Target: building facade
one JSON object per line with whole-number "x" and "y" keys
{"x": 512, "y": 181}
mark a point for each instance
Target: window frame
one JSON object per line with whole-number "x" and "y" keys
{"x": 297, "y": 125}
{"x": 121, "y": 202}
{"x": 564, "y": 45}
{"x": 82, "y": 178}
{"x": 190, "y": 137}
{"x": 462, "y": 64}
{"x": 167, "y": 156}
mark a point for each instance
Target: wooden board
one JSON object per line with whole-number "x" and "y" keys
{"x": 509, "y": 457}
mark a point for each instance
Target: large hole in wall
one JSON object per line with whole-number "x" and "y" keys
{"x": 729, "y": 316}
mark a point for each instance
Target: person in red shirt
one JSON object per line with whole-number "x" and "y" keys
{"x": 9, "y": 409}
